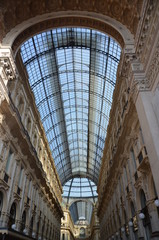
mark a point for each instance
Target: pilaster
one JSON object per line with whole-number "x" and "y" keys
{"x": 7, "y": 72}
{"x": 146, "y": 102}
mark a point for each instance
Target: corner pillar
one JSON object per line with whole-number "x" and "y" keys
{"x": 147, "y": 102}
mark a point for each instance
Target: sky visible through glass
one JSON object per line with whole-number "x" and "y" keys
{"x": 72, "y": 73}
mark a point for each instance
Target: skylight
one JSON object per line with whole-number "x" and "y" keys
{"x": 80, "y": 188}
{"x": 72, "y": 73}
{"x": 81, "y": 212}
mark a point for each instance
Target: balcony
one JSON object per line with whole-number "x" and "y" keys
{"x": 144, "y": 166}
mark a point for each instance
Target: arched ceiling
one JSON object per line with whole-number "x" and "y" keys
{"x": 72, "y": 73}
{"x": 119, "y": 19}
{"x": 14, "y": 13}
{"x": 81, "y": 212}
{"x": 77, "y": 188}
{"x": 17, "y": 36}
{"x": 72, "y": 90}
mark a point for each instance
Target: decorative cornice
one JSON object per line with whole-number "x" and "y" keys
{"x": 15, "y": 12}
{"x": 66, "y": 21}
{"x": 7, "y": 63}
{"x": 149, "y": 9}
{"x": 141, "y": 82}
{"x": 153, "y": 69}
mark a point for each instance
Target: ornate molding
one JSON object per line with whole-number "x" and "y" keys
{"x": 14, "y": 13}
{"x": 139, "y": 182}
{"x": 144, "y": 30}
{"x": 3, "y": 185}
{"x": 7, "y": 72}
{"x": 153, "y": 70}
{"x": 139, "y": 80}
{"x": 7, "y": 63}
{"x": 66, "y": 21}
{"x": 7, "y": 68}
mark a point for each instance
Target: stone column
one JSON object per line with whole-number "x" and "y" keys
{"x": 154, "y": 220}
{"x": 148, "y": 113}
{"x": 18, "y": 225}
{"x": 4, "y": 219}
{"x": 141, "y": 231}
{"x": 68, "y": 235}
{"x": 147, "y": 102}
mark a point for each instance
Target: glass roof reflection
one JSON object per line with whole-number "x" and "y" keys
{"x": 72, "y": 73}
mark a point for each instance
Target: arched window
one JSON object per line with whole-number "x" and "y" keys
{"x": 1, "y": 202}
{"x": 12, "y": 216}
{"x": 23, "y": 221}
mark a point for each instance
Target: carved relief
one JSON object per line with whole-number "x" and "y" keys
{"x": 7, "y": 64}
{"x": 116, "y": 9}
{"x": 127, "y": 15}
{"x": 21, "y": 11}
{"x": 51, "y": 5}
{"x": 153, "y": 68}
{"x": 67, "y": 21}
{"x": 147, "y": 34}
{"x": 101, "y": 6}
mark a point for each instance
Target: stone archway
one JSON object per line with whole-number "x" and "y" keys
{"x": 15, "y": 13}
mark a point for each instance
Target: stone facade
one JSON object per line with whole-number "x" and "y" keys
{"x": 30, "y": 189}
{"x": 128, "y": 187}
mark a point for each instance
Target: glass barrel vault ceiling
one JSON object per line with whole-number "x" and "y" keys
{"x": 80, "y": 188}
{"x": 81, "y": 212}
{"x": 72, "y": 73}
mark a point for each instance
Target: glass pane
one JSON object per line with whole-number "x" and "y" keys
{"x": 72, "y": 73}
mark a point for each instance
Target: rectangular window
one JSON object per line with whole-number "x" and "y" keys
{"x": 8, "y": 161}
